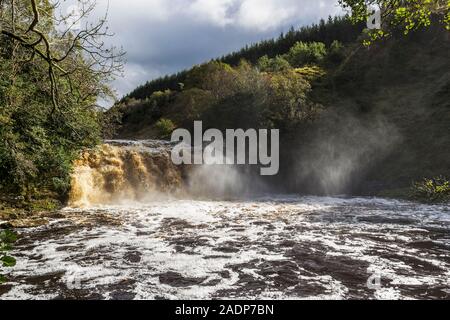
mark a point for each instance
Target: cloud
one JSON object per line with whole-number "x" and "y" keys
{"x": 259, "y": 15}
{"x": 163, "y": 37}
{"x": 217, "y": 12}
{"x": 265, "y": 14}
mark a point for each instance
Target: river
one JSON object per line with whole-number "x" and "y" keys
{"x": 277, "y": 247}
{"x": 134, "y": 230}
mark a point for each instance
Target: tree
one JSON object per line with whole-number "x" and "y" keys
{"x": 337, "y": 28}
{"x": 165, "y": 127}
{"x": 289, "y": 104}
{"x": 209, "y": 76}
{"x": 273, "y": 65}
{"x": 189, "y": 105}
{"x": 407, "y": 15}
{"x": 74, "y": 59}
{"x": 51, "y": 79}
{"x": 336, "y": 53}
{"x": 306, "y": 53}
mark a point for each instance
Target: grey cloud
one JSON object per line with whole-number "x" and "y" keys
{"x": 163, "y": 37}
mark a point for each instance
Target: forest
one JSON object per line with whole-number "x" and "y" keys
{"x": 334, "y": 29}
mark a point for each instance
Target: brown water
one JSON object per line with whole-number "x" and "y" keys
{"x": 124, "y": 171}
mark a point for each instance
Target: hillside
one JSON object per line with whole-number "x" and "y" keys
{"x": 353, "y": 119}
{"x": 388, "y": 119}
{"x": 337, "y": 28}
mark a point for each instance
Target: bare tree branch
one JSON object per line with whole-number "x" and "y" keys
{"x": 63, "y": 51}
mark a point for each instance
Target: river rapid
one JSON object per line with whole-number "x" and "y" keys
{"x": 135, "y": 230}
{"x": 277, "y": 247}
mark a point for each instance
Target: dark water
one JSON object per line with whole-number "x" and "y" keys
{"x": 282, "y": 247}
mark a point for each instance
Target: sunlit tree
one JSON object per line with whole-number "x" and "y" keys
{"x": 51, "y": 77}
{"x": 406, "y": 15}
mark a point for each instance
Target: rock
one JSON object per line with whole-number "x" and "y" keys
{"x": 5, "y": 225}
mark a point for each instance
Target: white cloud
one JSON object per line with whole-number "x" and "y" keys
{"x": 216, "y": 11}
{"x": 265, "y": 14}
{"x": 259, "y": 15}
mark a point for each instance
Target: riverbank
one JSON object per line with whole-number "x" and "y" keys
{"x": 28, "y": 214}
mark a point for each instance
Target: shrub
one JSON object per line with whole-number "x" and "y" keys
{"x": 311, "y": 73}
{"x": 277, "y": 64}
{"x": 207, "y": 74}
{"x": 303, "y": 53}
{"x": 7, "y": 238}
{"x": 432, "y": 190}
{"x": 336, "y": 52}
{"x": 165, "y": 127}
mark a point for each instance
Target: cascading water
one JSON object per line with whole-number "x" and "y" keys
{"x": 124, "y": 171}
{"x": 123, "y": 237}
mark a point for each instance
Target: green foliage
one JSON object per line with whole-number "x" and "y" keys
{"x": 289, "y": 103}
{"x": 149, "y": 109}
{"x": 336, "y": 52}
{"x": 190, "y": 104}
{"x": 311, "y": 73}
{"x": 37, "y": 144}
{"x": 8, "y": 261}
{"x": 7, "y": 239}
{"x": 165, "y": 127}
{"x": 110, "y": 122}
{"x": 447, "y": 17}
{"x": 48, "y": 109}
{"x": 406, "y": 16}
{"x": 271, "y": 94}
{"x": 277, "y": 64}
{"x": 432, "y": 190}
{"x": 244, "y": 105}
{"x": 337, "y": 28}
{"x": 303, "y": 53}
{"x": 207, "y": 75}
{"x": 46, "y": 204}
{"x": 392, "y": 83}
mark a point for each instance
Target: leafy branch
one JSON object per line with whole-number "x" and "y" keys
{"x": 62, "y": 50}
{"x": 7, "y": 239}
{"x": 408, "y": 15}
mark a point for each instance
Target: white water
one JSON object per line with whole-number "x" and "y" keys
{"x": 279, "y": 247}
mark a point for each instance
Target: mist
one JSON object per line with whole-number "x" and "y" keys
{"x": 224, "y": 181}
{"x": 340, "y": 151}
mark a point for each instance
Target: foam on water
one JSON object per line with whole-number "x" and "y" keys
{"x": 278, "y": 247}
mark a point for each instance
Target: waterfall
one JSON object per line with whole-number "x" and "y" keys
{"x": 124, "y": 171}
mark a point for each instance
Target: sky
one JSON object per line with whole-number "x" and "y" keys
{"x": 165, "y": 36}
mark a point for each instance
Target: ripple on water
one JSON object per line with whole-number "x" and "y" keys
{"x": 282, "y": 247}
